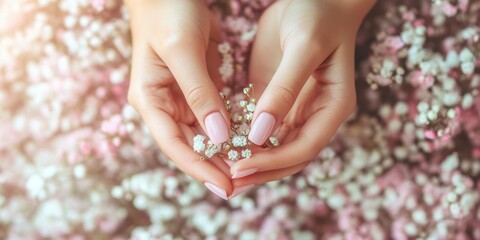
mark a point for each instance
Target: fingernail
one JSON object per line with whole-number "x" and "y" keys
{"x": 216, "y": 128}
{"x": 216, "y": 190}
{"x": 243, "y": 189}
{"x": 262, "y": 128}
{"x": 244, "y": 173}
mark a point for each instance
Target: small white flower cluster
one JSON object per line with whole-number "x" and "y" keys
{"x": 239, "y": 141}
{"x": 198, "y": 143}
{"x": 209, "y": 148}
{"x": 241, "y": 114}
{"x": 233, "y": 155}
{"x": 467, "y": 61}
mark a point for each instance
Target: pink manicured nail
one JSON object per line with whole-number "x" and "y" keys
{"x": 216, "y": 128}
{"x": 239, "y": 190}
{"x": 262, "y": 128}
{"x": 244, "y": 173}
{"x": 216, "y": 190}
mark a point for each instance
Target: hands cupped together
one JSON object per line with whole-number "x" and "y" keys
{"x": 302, "y": 66}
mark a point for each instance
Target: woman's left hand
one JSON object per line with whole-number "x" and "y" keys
{"x": 302, "y": 63}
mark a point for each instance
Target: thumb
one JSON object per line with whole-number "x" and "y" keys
{"x": 186, "y": 60}
{"x": 298, "y": 62}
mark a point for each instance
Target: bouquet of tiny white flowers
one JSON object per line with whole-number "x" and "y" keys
{"x": 238, "y": 146}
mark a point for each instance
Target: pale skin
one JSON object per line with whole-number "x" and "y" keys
{"x": 302, "y": 67}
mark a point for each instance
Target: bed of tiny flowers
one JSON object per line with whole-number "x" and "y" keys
{"x": 77, "y": 162}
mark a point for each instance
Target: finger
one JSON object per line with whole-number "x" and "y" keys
{"x": 311, "y": 138}
{"x": 166, "y": 131}
{"x": 221, "y": 164}
{"x": 318, "y": 129}
{"x": 172, "y": 141}
{"x": 189, "y": 68}
{"x": 266, "y": 54}
{"x": 298, "y": 62}
{"x": 242, "y": 185}
{"x": 213, "y": 64}
{"x": 213, "y": 54}
{"x": 189, "y": 133}
{"x": 185, "y": 56}
{"x": 147, "y": 71}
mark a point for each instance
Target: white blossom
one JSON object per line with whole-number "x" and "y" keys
{"x": 199, "y": 138}
{"x": 274, "y": 141}
{"x": 466, "y": 55}
{"x": 467, "y": 67}
{"x": 233, "y": 155}
{"x": 239, "y": 141}
{"x": 251, "y": 107}
{"x": 246, "y": 153}
{"x": 198, "y": 147}
{"x": 224, "y": 48}
{"x": 243, "y": 103}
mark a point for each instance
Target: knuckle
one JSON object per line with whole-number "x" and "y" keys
{"x": 179, "y": 40}
{"x": 303, "y": 38}
{"x": 285, "y": 96}
{"x": 174, "y": 40}
{"x": 195, "y": 96}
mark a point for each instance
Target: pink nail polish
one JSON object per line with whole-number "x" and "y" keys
{"x": 216, "y": 190}
{"x": 216, "y": 128}
{"x": 244, "y": 173}
{"x": 262, "y": 128}
{"x": 240, "y": 190}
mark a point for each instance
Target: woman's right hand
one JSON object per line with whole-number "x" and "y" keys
{"x": 175, "y": 83}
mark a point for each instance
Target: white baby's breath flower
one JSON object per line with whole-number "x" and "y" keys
{"x": 209, "y": 153}
{"x": 233, "y": 155}
{"x": 246, "y": 153}
{"x": 198, "y": 147}
{"x": 466, "y": 55}
{"x": 243, "y": 103}
{"x": 224, "y": 48}
{"x": 251, "y": 107}
{"x": 226, "y": 71}
{"x": 239, "y": 141}
{"x": 198, "y": 143}
{"x": 199, "y": 138}
{"x": 212, "y": 149}
{"x": 274, "y": 141}
{"x": 249, "y": 116}
{"x": 467, "y": 67}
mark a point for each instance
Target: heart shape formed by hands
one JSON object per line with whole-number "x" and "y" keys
{"x": 302, "y": 66}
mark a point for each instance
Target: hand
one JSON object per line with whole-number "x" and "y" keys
{"x": 303, "y": 62}
{"x": 175, "y": 83}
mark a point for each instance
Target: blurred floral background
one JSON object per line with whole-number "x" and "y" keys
{"x": 77, "y": 162}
